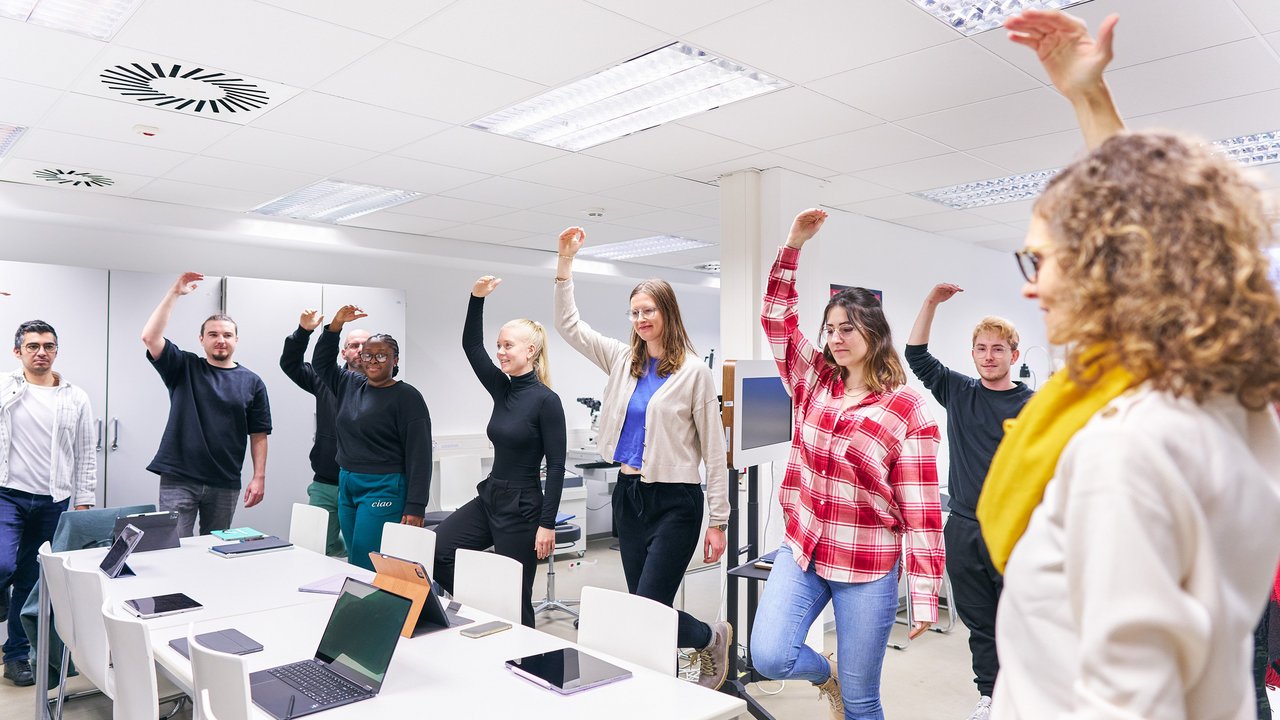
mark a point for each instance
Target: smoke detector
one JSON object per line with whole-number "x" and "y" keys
{"x": 594, "y": 213}
{"x": 147, "y": 131}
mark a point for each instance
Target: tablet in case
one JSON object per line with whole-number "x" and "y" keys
{"x": 161, "y": 605}
{"x": 245, "y": 548}
{"x": 408, "y": 579}
{"x": 160, "y": 528}
{"x": 230, "y": 641}
{"x": 567, "y": 670}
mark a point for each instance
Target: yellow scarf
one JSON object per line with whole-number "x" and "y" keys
{"x": 1027, "y": 457}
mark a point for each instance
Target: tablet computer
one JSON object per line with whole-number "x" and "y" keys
{"x": 160, "y": 605}
{"x": 567, "y": 670}
{"x": 113, "y": 564}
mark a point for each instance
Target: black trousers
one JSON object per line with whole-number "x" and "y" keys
{"x": 975, "y": 586}
{"x": 658, "y": 525}
{"x": 504, "y": 516}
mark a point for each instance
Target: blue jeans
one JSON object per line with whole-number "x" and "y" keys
{"x": 26, "y": 522}
{"x": 865, "y": 612}
{"x": 365, "y": 503}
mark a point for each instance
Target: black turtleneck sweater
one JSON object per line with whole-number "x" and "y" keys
{"x": 527, "y": 423}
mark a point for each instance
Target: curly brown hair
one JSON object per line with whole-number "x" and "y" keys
{"x": 1161, "y": 243}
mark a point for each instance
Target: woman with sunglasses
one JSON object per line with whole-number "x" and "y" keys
{"x": 860, "y": 483}
{"x": 384, "y": 439}
{"x": 659, "y": 418}
{"x": 510, "y": 512}
{"x": 1132, "y": 505}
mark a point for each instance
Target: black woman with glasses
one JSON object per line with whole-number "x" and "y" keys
{"x": 384, "y": 439}
{"x": 659, "y": 418}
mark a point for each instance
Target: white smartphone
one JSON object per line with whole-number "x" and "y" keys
{"x": 489, "y": 628}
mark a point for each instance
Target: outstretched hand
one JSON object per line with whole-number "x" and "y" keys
{"x": 186, "y": 283}
{"x": 310, "y": 320}
{"x": 346, "y": 314}
{"x": 1073, "y": 59}
{"x": 806, "y": 225}
{"x": 571, "y": 241}
{"x": 943, "y": 292}
{"x": 485, "y": 285}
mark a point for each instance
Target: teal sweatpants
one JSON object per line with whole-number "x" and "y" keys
{"x": 325, "y": 496}
{"x": 365, "y": 503}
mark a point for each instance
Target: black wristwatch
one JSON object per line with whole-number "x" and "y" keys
{"x": 722, "y": 527}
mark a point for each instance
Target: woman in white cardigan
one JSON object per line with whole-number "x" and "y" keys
{"x": 660, "y": 419}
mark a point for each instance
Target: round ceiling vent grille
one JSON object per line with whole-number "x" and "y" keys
{"x": 74, "y": 178}
{"x": 194, "y": 90}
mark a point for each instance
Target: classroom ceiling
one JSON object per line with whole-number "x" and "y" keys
{"x": 885, "y": 100}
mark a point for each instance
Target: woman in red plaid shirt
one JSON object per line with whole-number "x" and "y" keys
{"x": 861, "y": 481}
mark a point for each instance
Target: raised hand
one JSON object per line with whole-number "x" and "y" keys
{"x": 571, "y": 241}
{"x": 943, "y": 292}
{"x": 346, "y": 314}
{"x": 485, "y": 285}
{"x": 806, "y": 225}
{"x": 1074, "y": 60}
{"x": 310, "y": 320}
{"x": 186, "y": 283}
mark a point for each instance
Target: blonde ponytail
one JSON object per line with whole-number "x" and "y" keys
{"x": 537, "y": 336}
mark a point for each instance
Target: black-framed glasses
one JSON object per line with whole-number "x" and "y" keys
{"x": 374, "y": 357}
{"x": 1029, "y": 263}
{"x": 34, "y": 348}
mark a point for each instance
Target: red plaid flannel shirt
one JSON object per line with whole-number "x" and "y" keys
{"x": 861, "y": 481}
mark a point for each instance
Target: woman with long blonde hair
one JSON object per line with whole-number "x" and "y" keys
{"x": 511, "y": 512}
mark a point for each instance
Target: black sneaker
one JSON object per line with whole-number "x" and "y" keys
{"x": 19, "y": 673}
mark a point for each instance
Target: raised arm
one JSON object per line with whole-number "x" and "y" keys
{"x": 935, "y": 376}
{"x": 940, "y": 293}
{"x": 324, "y": 359}
{"x": 153, "y": 331}
{"x": 797, "y": 358}
{"x": 295, "y": 348}
{"x": 601, "y": 350}
{"x": 1075, "y": 62}
{"x": 493, "y": 379}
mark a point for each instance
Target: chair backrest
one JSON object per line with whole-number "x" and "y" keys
{"x": 133, "y": 667}
{"x": 629, "y": 627}
{"x": 309, "y": 527}
{"x": 488, "y": 581}
{"x": 203, "y": 707}
{"x": 459, "y": 475}
{"x": 90, "y": 651}
{"x": 54, "y": 568}
{"x": 225, "y": 679}
{"x": 411, "y": 543}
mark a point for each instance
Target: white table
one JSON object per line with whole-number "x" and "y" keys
{"x": 437, "y": 672}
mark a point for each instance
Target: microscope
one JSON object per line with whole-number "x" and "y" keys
{"x": 593, "y": 405}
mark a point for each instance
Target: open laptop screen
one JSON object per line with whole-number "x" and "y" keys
{"x": 362, "y": 633}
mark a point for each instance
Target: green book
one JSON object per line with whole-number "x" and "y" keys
{"x": 241, "y": 533}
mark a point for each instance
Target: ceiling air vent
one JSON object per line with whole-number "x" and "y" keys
{"x": 196, "y": 90}
{"x": 74, "y": 178}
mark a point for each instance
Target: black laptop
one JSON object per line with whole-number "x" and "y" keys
{"x": 350, "y": 663}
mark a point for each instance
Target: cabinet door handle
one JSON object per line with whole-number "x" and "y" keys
{"x": 98, "y": 447}
{"x": 115, "y": 427}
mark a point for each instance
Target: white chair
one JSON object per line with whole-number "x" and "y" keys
{"x": 629, "y": 627}
{"x": 220, "y": 681}
{"x": 90, "y": 651}
{"x": 410, "y": 543}
{"x": 458, "y": 475}
{"x": 133, "y": 667}
{"x": 489, "y": 582}
{"x": 54, "y": 569}
{"x": 309, "y": 527}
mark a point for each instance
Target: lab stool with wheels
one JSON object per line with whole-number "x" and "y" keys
{"x": 566, "y": 535}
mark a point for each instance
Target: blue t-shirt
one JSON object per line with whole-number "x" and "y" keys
{"x": 630, "y": 449}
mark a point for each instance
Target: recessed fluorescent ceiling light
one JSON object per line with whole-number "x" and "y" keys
{"x": 655, "y": 245}
{"x": 98, "y": 19}
{"x": 667, "y": 84}
{"x": 971, "y": 17}
{"x": 333, "y": 201}
{"x": 9, "y": 135}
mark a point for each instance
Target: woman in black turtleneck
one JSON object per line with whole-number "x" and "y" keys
{"x": 511, "y": 513}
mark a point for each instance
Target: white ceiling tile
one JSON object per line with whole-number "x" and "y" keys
{"x": 1264, "y": 14}
{"x": 447, "y": 208}
{"x": 289, "y": 152}
{"x": 670, "y": 149}
{"x": 482, "y": 233}
{"x": 112, "y": 120}
{"x": 932, "y": 172}
{"x": 986, "y": 233}
{"x": 583, "y": 173}
{"x": 706, "y": 233}
{"x": 599, "y": 233}
{"x": 599, "y": 38}
{"x": 1274, "y": 39}
{"x": 1259, "y": 112}
{"x": 760, "y": 161}
{"x": 1238, "y": 68}
{"x": 61, "y": 55}
{"x": 396, "y": 222}
{"x": 947, "y": 220}
{"x": 614, "y": 209}
{"x": 846, "y": 189}
{"x": 415, "y": 81}
{"x": 248, "y": 37}
{"x": 926, "y": 81}
{"x": 384, "y": 18}
{"x": 682, "y": 259}
{"x": 1037, "y": 153}
{"x": 803, "y": 40}
{"x": 24, "y": 103}
{"x": 894, "y": 207}
{"x": 1013, "y": 212}
{"x": 478, "y": 150}
{"x": 863, "y": 149}
{"x": 665, "y": 222}
{"x": 512, "y": 193}
{"x": 529, "y": 222}
{"x": 78, "y": 178}
{"x": 181, "y": 193}
{"x": 1002, "y": 119}
{"x": 667, "y": 192}
{"x": 1003, "y": 244}
{"x": 49, "y": 146}
{"x": 532, "y": 242}
{"x": 755, "y": 121}
{"x": 406, "y": 174}
{"x": 677, "y": 17}
{"x": 240, "y": 176}
{"x": 709, "y": 210}
{"x": 347, "y": 122}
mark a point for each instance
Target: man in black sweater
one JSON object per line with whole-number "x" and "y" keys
{"x": 323, "y": 490}
{"x": 976, "y": 411}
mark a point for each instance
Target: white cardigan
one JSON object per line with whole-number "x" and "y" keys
{"x": 1136, "y": 589}
{"x": 682, "y": 426}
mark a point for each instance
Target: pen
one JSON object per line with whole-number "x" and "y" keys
{"x": 289, "y": 713}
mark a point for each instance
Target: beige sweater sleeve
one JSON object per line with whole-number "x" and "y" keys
{"x": 710, "y": 427}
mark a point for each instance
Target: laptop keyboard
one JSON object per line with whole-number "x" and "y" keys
{"x": 318, "y": 683}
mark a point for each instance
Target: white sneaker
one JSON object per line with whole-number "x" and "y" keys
{"x": 982, "y": 710}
